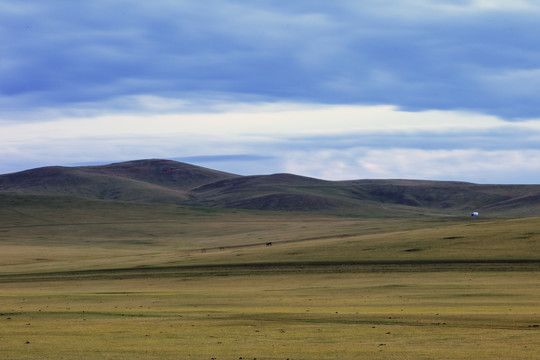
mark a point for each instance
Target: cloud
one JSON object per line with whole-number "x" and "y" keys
{"x": 272, "y": 120}
{"x": 458, "y": 165}
{"x": 416, "y": 55}
{"x": 224, "y": 82}
{"x": 326, "y": 141}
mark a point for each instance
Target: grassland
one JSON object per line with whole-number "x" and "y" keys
{"x": 384, "y": 315}
{"x": 83, "y": 279}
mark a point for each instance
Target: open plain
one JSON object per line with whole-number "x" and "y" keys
{"x": 89, "y": 279}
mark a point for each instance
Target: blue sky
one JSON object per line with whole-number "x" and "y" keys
{"x": 443, "y": 90}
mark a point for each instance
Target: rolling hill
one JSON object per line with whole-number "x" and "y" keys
{"x": 159, "y": 181}
{"x": 165, "y": 181}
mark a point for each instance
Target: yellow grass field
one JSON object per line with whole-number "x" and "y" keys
{"x": 165, "y": 282}
{"x": 352, "y": 315}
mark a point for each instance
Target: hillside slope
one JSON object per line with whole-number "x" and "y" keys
{"x": 161, "y": 181}
{"x": 165, "y": 181}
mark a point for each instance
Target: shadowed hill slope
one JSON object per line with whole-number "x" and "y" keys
{"x": 164, "y": 173}
{"x": 161, "y": 181}
{"x": 271, "y": 192}
{"x": 165, "y": 181}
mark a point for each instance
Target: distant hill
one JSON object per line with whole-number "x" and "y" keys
{"x": 165, "y": 181}
{"x": 161, "y": 181}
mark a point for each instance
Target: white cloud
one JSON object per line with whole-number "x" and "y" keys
{"x": 408, "y": 9}
{"x": 504, "y": 5}
{"x": 331, "y": 142}
{"x": 249, "y": 120}
{"x": 458, "y": 165}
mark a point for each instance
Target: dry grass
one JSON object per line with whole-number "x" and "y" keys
{"x": 102, "y": 235}
{"x": 102, "y": 280}
{"x": 69, "y": 234}
{"x": 397, "y": 315}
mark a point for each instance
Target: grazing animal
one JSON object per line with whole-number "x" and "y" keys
{"x": 269, "y": 243}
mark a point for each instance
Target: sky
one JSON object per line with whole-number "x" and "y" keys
{"x": 338, "y": 90}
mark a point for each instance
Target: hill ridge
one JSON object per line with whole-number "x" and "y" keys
{"x": 167, "y": 181}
